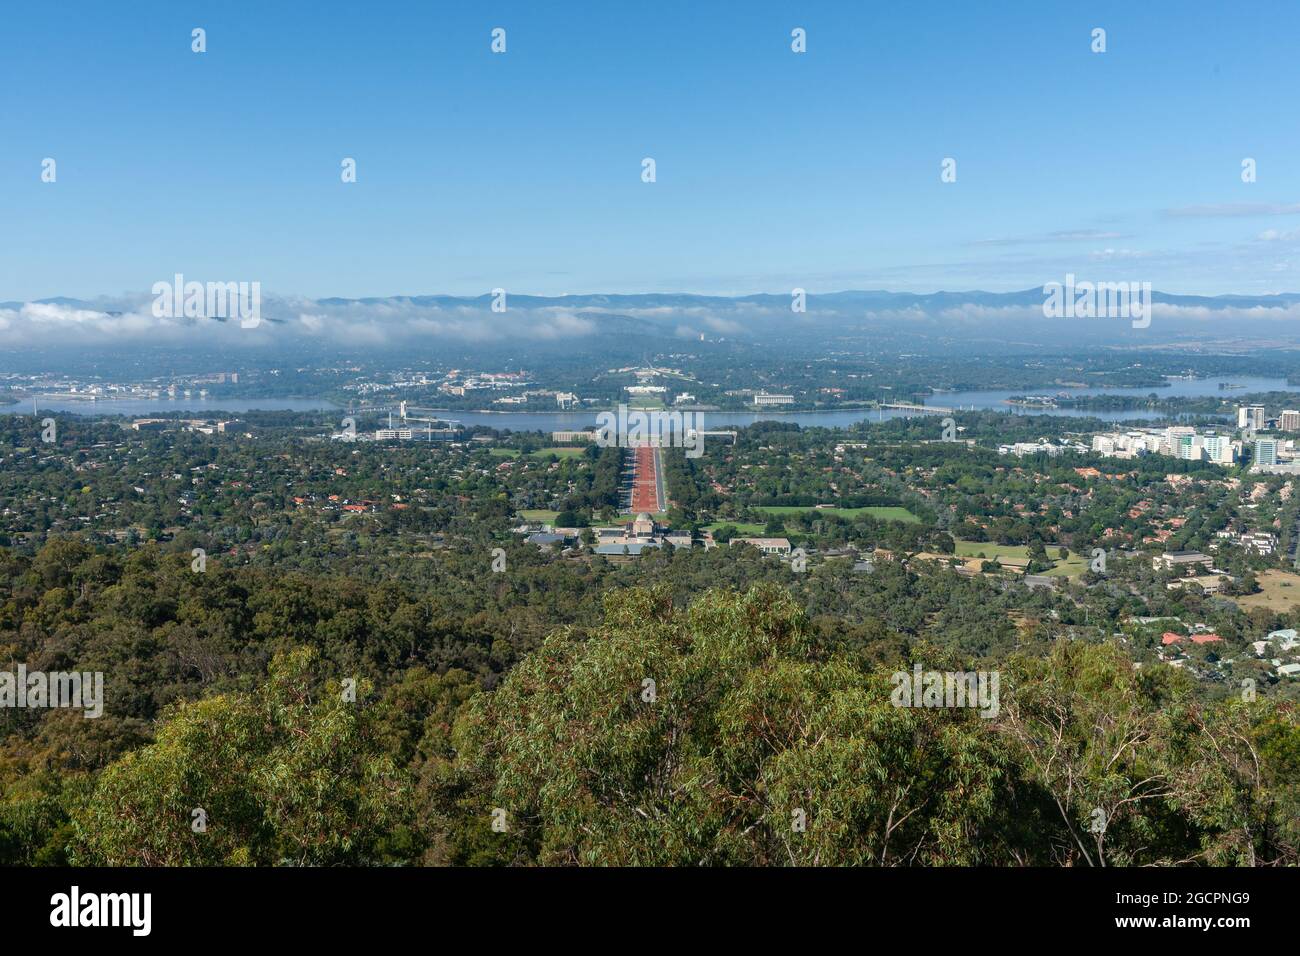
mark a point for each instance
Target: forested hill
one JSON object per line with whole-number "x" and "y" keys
{"x": 318, "y": 719}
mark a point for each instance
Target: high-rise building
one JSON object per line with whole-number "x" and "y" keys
{"x": 1266, "y": 451}
{"x": 1250, "y": 416}
{"x": 1219, "y": 449}
{"x": 1290, "y": 420}
{"x": 1187, "y": 448}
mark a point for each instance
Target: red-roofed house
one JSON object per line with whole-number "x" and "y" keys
{"x": 1169, "y": 637}
{"x": 1205, "y": 638}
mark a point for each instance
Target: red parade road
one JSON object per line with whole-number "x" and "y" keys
{"x": 646, "y": 492}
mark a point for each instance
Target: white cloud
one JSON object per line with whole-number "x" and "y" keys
{"x": 1107, "y": 255}
{"x": 1227, "y": 209}
{"x": 388, "y": 322}
{"x": 1064, "y": 235}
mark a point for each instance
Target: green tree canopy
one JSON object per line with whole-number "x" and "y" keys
{"x": 291, "y": 773}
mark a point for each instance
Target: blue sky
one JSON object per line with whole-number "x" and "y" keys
{"x": 522, "y": 170}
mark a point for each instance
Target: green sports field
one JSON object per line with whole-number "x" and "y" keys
{"x": 558, "y": 452}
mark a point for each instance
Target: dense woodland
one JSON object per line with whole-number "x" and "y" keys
{"x": 224, "y": 693}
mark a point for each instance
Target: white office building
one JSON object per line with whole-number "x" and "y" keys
{"x": 1219, "y": 449}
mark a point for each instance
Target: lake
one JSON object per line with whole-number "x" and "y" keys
{"x": 142, "y": 407}
{"x": 549, "y": 421}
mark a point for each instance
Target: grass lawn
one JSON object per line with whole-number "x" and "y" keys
{"x": 880, "y": 513}
{"x": 540, "y": 453}
{"x": 1071, "y": 567}
{"x": 533, "y": 514}
{"x": 558, "y": 452}
{"x": 1281, "y": 589}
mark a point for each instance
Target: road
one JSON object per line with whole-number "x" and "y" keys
{"x": 647, "y": 485}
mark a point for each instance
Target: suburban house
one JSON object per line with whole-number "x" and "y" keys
{"x": 1169, "y": 637}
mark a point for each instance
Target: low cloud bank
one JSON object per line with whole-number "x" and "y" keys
{"x": 395, "y": 322}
